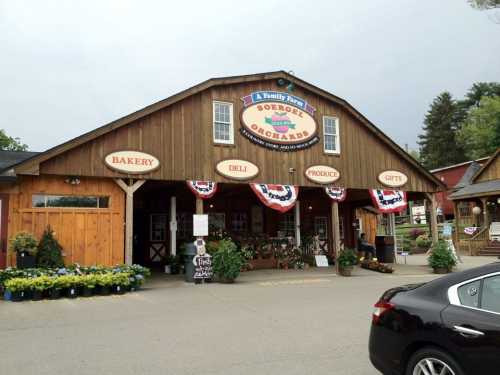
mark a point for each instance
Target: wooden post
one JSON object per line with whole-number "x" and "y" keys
{"x": 433, "y": 210}
{"x": 486, "y": 214}
{"x": 199, "y": 206}
{"x": 173, "y": 226}
{"x": 457, "y": 226}
{"x": 297, "y": 223}
{"x": 129, "y": 215}
{"x": 336, "y": 232}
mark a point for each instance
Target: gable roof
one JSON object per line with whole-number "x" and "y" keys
{"x": 468, "y": 175}
{"x": 30, "y": 166}
{"x": 486, "y": 165}
{"x": 10, "y": 158}
{"x": 459, "y": 164}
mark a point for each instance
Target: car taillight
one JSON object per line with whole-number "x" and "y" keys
{"x": 381, "y": 307}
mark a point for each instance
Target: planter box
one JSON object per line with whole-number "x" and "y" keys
{"x": 260, "y": 263}
{"x": 24, "y": 260}
{"x": 345, "y": 271}
{"x": 441, "y": 271}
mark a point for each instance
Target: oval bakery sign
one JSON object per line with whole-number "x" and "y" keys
{"x": 236, "y": 169}
{"x": 278, "y": 121}
{"x": 392, "y": 178}
{"x": 131, "y": 162}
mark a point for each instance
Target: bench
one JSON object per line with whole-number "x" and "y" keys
{"x": 495, "y": 231}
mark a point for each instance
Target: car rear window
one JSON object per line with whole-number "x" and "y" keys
{"x": 490, "y": 299}
{"x": 469, "y": 294}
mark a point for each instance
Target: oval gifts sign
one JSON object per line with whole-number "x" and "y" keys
{"x": 392, "y": 178}
{"x": 322, "y": 174}
{"x": 131, "y": 162}
{"x": 236, "y": 169}
{"x": 278, "y": 121}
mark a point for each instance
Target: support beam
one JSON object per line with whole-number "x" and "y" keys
{"x": 199, "y": 206}
{"x": 336, "y": 232}
{"x": 173, "y": 226}
{"x": 456, "y": 226}
{"x": 129, "y": 190}
{"x": 486, "y": 214}
{"x": 297, "y": 223}
{"x": 433, "y": 211}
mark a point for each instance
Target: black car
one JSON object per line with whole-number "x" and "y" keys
{"x": 449, "y": 326}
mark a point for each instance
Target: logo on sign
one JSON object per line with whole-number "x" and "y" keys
{"x": 236, "y": 169}
{"x": 131, "y": 162}
{"x": 278, "y": 121}
{"x": 392, "y": 178}
{"x": 322, "y": 174}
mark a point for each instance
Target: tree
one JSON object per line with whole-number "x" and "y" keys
{"x": 480, "y": 132}
{"x": 485, "y": 4}
{"x": 438, "y": 144}
{"x": 478, "y": 91}
{"x": 49, "y": 252}
{"x": 11, "y": 144}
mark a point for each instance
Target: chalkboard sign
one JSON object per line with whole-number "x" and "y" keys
{"x": 203, "y": 267}
{"x": 321, "y": 261}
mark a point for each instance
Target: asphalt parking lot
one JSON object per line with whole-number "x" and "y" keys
{"x": 270, "y": 322}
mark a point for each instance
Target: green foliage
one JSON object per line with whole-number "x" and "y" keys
{"x": 347, "y": 258}
{"x": 438, "y": 146}
{"x": 441, "y": 256}
{"x": 23, "y": 242}
{"x": 49, "y": 251}
{"x": 11, "y": 144}
{"x": 18, "y": 284}
{"x": 423, "y": 241}
{"x": 480, "y": 132}
{"x": 485, "y": 4}
{"x": 42, "y": 283}
{"x": 227, "y": 260}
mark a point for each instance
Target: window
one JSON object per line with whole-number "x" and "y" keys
{"x": 239, "y": 222}
{"x": 184, "y": 225}
{"x": 469, "y": 294}
{"x": 287, "y": 225}
{"x": 223, "y": 122}
{"x": 490, "y": 298}
{"x": 69, "y": 201}
{"x": 158, "y": 227}
{"x": 321, "y": 227}
{"x": 331, "y": 140}
{"x": 216, "y": 221}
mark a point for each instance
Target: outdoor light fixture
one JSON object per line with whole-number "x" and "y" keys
{"x": 310, "y": 208}
{"x": 211, "y": 205}
{"x": 290, "y": 86}
{"x": 476, "y": 210}
{"x": 72, "y": 181}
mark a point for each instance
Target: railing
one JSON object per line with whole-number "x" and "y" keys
{"x": 478, "y": 240}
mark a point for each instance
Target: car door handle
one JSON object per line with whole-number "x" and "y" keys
{"x": 468, "y": 332}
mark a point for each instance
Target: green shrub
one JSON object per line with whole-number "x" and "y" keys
{"x": 227, "y": 260}
{"x": 49, "y": 252}
{"x": 423, "y": 241}
{"x": 17, "y": 284}
{"x": 347, "y": 258}
{"x": 42, "y": 283}
{"x": 23, "y": 242}
{"x": 441, "y": 256}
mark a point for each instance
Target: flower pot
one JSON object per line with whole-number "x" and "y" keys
{"x": 54, "y": 293}
{"x": 37, "y": 295}
{"x": 87, "y": 292}
{"x": 441, "y": 270}
{"x": 72, "y": 292}
{"x": 15, "y": 296}
{"x": 104, "y": 291}
{"x": 118, "y": 289}
{"x": 345, "y": 271}
{"x": 25, "y": 260}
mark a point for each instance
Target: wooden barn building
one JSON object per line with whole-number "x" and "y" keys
{"x": 119, "y": 193}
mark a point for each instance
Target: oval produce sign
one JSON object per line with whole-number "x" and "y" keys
{"x": 236, "y": 169}
{"x": 392, "y": 178}
{"x": 322, "y": 174}
{"x": 131, "y": 162}
{"x": 278, "y": 121}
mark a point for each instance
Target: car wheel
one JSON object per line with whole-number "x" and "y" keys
{"x": 432, "y": 361}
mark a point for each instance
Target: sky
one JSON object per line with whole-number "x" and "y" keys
{"x": 67, "y": 67}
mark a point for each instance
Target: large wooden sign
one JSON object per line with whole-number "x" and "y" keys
{"x": 322, "y": 174}
{"x": 392, "y": 178}
{"x": 279, "y": 121}
{"x": 131, "y": 162}
{"x": 236, "y": 169}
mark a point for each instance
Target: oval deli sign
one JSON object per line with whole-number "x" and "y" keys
{"x": 278, "y": 121}
{"x": 131, "y": 162}
{"x": 236, "y": 169}
{"x": 322, "y": 174}
{"x": 392, "y": 178}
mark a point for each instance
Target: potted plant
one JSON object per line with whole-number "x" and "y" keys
{"x": 54, "y": 292}
{"x": 120, "y": 283}
{"x": 441, "y": 259}
{"x": 89, "y": 283}
{"x": 16, "y": 289}
{"x": 24, "y": 244}
{"x": 227, "y": 261}
{"x": 39, "y": 286}
{"x": 49, "y": 251}
{"x": 346, "y": 260}
{"x": 104, "y": 282}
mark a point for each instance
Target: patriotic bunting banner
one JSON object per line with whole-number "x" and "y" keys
{"x": 470, "y": 230}
{"x": 277, "y": 197}
{"x": 203, "y": 189}
{"x": 389, "y": 201}
{"x": 336, "y": 193}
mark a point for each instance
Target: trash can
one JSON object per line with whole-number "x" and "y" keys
{"x": 385, "y": 248}
{"x": 188, "y": 262}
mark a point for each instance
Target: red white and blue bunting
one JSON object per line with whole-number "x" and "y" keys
{"x": 277, "y": 197}
{"x": 202, "y": 189}
{"x": 389, "y": 201}
{"x": 337, "y": 194}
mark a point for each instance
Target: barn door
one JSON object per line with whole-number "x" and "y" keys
{"x": 4, "y": 211}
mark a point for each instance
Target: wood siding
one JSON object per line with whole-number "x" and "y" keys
{"x": 180, "y": 136}
{"x": 491, "y": 171}
{"x": 88, "y": 236}
{"x": 369, "y": 223}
